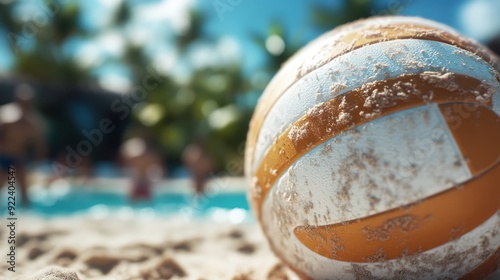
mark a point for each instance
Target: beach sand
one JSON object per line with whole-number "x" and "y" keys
{"x": 83, "y": 247}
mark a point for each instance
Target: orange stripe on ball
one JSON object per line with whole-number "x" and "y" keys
{"x": 478, "y": 141}
{"x": 410, "y": 230}
{"x": 367, "y": 103}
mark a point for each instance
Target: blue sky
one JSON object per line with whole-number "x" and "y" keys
{"x": 233, "y": 25}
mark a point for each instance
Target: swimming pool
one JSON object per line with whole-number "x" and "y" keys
{"x": 229, "y": 203}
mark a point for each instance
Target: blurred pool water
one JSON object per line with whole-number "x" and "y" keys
{"x": 222, "y": 205}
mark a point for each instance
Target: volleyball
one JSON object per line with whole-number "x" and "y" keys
{"x": 374, "y": 153}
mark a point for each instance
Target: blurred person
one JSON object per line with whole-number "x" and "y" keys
{"x": 20, "y": 137}
{"x": 199, "y": 163}
{"x": 144, "y": 165}
{"x": 84, "y": 171}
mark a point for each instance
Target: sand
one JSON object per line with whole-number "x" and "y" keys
{"x": 85, "y": 247}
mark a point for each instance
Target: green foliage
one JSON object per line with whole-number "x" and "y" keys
{"x": 214, "y": 103}
{"x": 122, "y": 14}
{"x": 352, "y": 10}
